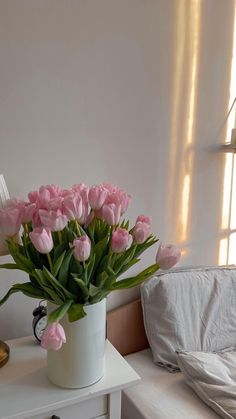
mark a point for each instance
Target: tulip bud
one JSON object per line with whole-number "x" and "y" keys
{"x": 55, "y": 220}
{"x": 110, "y": 213}
{"x": 167, "y": 256}
{"x": 141, "y": 232}
{"x": 96, "y": 197}
{"x": 82, "y": 248}
{"x": 53, "y": 337}
{"x": 144, "y": 219}
{"x": 121, "y": 240}
{"x": 10, "y": 221}
{"x": 73, "y": 206}
{"x": 41, "y": 239}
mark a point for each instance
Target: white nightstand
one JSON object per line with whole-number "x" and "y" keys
{"x": 25, "y": 391}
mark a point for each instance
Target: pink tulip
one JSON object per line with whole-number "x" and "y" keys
{"x": 110, "y": 213}
{"x": 42, "y": 239}
{"x": 28, "y": 212}
{"x": 141, "y": 232}
{"x": 73, "y": 206}
{"x": 144, "y": 219}
{"x": 53, "y": 337}
{"x": 121, "y": 240}
{"x": 55, "y": 204}
{"x": 10, "y": 221}
{"x": 96, "y": 197}
{"x": 167, "y": 256}
{"x": 54, "y": 220}
{"x": 117, "y": 196}
{"x": 51, "y": 191}
{"x": 33, "y": 197}
{"x": 82, "y": 189}
{"x": 82, "y": 248}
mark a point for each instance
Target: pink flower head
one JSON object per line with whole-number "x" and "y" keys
{"x": 121, "y": 240}
{"x": 10, "y": 221}
{"x": 43, "y": 196}
{"x": 96, "y": 197}
{"x": 28, "y": 212}
{"x": 141, "y": 232}
{"x": 167, "y": 256}
{"x": 82, "y": 248}
{"x": 110, "y": 213}
{"x": 50, "y": 191}
{"x": 117, "y": 196}
{"x": 82, "y": 189}
{"x": 144, "y": 219}
{"x": 33, "y": 197}
{"x": 55, "y": 203}
{"x": 54, "y": 220}
{"x": 73, "y": 206}
{"x": 53, "y": 337}
{"x": 42, "y": 239}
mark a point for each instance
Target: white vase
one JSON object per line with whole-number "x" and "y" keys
{"x": 80, "y": 361}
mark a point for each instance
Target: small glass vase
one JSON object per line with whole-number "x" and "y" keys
{"x": 80, "y": 361}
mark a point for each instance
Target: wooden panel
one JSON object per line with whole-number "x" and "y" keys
{"x": 125, "y": 328}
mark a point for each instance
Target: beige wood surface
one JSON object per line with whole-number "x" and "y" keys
{"x": 125, "y": 328}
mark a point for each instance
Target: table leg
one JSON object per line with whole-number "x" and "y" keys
{"x": 114, "y": 402}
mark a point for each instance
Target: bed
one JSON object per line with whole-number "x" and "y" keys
{"x": 160, "y": 394}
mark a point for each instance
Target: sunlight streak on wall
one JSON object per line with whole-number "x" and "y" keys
{"x": 223, "y": 254}
{"x": 227, "y": 191}
{"x": 194, "y": 29}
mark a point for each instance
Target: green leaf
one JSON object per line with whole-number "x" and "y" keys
{"x": 62, "y": 292}
{"x": 59, "y": 249}
{"x": 123, "y": 259}
{"x": 135, "y": 280}
{"x": 64, "y": 271}
{"x": 9, "y": 266}
{"x": 90, "y": 267}
{"x": 128, "y": 266}
{"x": 82, "y": 286}
{"x": 76, "y": 312}
{"x": 100, "y": 249}
{"x": 26, "y": 288}
{"x": 43, "y": 282}
{"x": 57, "y": 314}
{"x": 58, "y": 263}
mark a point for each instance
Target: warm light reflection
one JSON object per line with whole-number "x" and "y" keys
{"x": 223, "y": 254}
{"x": 232, "y": 247}
{"x": 227, "y": 250}
{"x": 193, "y": 49}
{"x": 227, "y": 191}
{"x": 185, "y": 206}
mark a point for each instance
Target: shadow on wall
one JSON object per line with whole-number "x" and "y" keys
{"x": 202, "y": 206}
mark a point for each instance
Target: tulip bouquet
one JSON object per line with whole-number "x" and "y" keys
{"x": 74, "y": 243}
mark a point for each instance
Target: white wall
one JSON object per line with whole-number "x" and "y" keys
{"x": 87, "y": 94}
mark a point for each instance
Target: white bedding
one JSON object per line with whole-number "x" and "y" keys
{"x": 160, "y": 394}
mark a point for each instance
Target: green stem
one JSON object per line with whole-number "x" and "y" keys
{"x": 60, "y": 237}
{"x": 77, "y": 228}
{"x": 50, "y": 261}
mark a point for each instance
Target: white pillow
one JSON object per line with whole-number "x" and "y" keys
{"x": 213, "y": 378}
{"x": 191, "y": 310}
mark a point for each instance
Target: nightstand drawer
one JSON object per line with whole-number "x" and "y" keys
{"x": 88, "y": 409}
